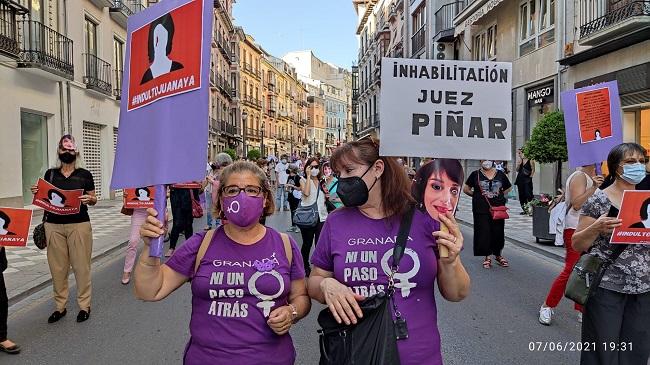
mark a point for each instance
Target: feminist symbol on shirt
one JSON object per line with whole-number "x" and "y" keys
{"x": 403, "y": 282}
{"x": 267, "y": 300}
{"x": 231, "y": 208}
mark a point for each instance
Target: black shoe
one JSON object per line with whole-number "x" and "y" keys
{"x": 83, "y": 316}
{"x": 12, "y": 350}
{"x": 56, "y": 316}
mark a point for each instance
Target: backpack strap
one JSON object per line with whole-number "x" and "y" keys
{"x": 287, "y": 247}
{"x": 203, "y": 248}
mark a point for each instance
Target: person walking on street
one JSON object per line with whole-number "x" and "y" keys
{"x": 211, "y": 185}
{"x": 524, "y": 180}
{"x": 181, "y": 202}
{"x": 273, "y": 175}
{"x": 249, "y": 328}
{"x": 312, "y": 193}
{"x": 376, "y": 194}
{"x": 487, "y": 186}
{"x": 283, "y": 175}
{"x": 331, "y": 183}
{"x": 618, "y": 309}
{"x": 6, "y": 345}
{"x": 70, "y": 237}
{"x": 295, "y": 194}
{"x": 579, "y": 187}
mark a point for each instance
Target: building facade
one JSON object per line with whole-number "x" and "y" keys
{"x": 250, "y": 91}
{"x": 48, "y": 91}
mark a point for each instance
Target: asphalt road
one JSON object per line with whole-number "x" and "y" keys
{"x": 494, "y": 325}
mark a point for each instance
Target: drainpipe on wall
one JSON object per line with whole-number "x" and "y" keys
{"x": 67, "y": 83}
{"x": 561, "y": 25}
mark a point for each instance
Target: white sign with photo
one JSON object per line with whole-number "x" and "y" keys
{"x": 446, "y": 109}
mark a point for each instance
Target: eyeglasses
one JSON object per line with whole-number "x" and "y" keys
{"x": 234, "y": 190}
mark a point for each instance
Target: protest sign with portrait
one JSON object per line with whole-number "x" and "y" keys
{"x": 635, "y": 217}
{"x": 14, "y": 226}
{"x": 57, "y": 201}
{"x": 137, "y": 198}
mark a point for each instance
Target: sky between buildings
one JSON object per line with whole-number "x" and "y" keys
{"x": 325, "y": 26}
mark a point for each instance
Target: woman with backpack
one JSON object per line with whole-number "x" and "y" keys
{"x": 247, "y": 280}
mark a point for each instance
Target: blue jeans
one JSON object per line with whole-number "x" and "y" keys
{"x": 281, "y": 197}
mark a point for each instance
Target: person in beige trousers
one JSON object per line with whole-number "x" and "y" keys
{"x": 69, "y": 237}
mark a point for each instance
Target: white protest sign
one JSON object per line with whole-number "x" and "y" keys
{"x": 446, "y": 109}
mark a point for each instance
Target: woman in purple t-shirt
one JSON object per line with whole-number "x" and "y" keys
{"x": 352, "y": 257}
{"x": 249, "y": 287}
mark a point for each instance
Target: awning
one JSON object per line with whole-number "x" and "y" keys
{"x": 468, "y": 21}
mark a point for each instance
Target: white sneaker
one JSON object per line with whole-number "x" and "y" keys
{"x": 545, "y": 315}
{"x": 579, "y": 317}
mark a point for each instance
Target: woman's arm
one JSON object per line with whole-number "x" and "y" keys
{"x": 532, "y": 168}
{"x": 153, "y": 281}
{"x": 341, "y": 300}
{"x": 89, "y": 198}
{"x": 579, "y": 192}
{"x": 307, "y": 186}
{"x": 589, "y": 228}
{"x": 467, "y": 190}
{"x": 453, "y": 280}
{"x": 281, "y": 319}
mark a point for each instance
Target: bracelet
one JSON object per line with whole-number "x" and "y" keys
{"x": 294, "y": 313}
{"x": 146, "y": 264}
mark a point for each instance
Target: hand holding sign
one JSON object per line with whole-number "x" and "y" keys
{"x": 449, "y": 239}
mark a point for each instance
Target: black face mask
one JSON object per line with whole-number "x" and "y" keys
{"x": 67, "y": 157}
{"x": 353, "y": 191}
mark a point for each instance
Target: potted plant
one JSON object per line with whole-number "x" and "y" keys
{"x": 547, "y": 144}
{"x": 540, "y": 208}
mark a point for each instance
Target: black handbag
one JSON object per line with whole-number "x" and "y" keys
{"x": 588, "y": 272}
{"x": 307, "y": 216}
{"x": 373, "y": 340}
{"x": 38, "y": 234}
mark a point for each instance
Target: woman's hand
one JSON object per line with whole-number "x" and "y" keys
{"x": 342, "y": 301}
{"x": 452, "y": 239}
{"x": 152, "y": 227}
{"x": 281, "y": 320}
{"x": 87, "y": 199}
{"x": 34, "y": 189}
{"x": 605, "y": 225}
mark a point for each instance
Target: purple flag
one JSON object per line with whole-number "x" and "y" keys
{"x": 592, "y": 120}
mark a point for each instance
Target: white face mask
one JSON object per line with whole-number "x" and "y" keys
{"x": 283, "y": 161}
{"x": 487, "y": 164}
{"x": 314, "y": 172}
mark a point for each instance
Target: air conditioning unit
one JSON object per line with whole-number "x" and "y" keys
{"x": 444, "y": 51}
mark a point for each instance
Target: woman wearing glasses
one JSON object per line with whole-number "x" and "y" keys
{"x": 248, "y": 285}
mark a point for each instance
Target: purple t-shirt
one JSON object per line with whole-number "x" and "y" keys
{"x": 359, "y": 251}
{"x": 233, "y": 292}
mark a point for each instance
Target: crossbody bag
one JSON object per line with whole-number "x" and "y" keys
{"x": 498, "y": 212}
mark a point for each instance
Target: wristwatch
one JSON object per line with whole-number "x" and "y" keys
{"x": 294, "y": 312}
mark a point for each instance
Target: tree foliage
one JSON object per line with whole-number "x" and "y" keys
{"x": 254, "y": 155}
{"x": 548, "y": 141}
{"x": 232, "y": 153}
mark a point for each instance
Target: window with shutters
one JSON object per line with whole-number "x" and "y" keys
{"x": 92, "y": 153}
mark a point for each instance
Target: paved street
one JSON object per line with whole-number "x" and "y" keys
{"x": 493, "y": 326}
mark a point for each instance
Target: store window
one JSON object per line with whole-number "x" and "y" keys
{"x": 536, "y": 25}
{"x": 33, "y": 134}
{"x": 485, "y": 45}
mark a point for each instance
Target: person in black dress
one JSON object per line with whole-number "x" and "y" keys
{"x": 293, "y": 185}
{"x": 181, "y": 203}
{"x": 524, "y": 180}
{"x": 487, "y": 186}
{"x": 6, "y": 345}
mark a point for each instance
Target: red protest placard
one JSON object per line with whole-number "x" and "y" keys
{"x": 187, "y": 185}
{"x": 57, "y": 201}
{"x": 594, "y": 115}
{"x": 14, "y": 226}
{"x": 635, "y": 214}
{"x": 139, "y": 197}
{"x": 165, "y": 61}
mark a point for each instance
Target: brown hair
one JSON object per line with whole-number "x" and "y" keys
{"x": 243, "y": 167}
{"x": 395, "y": 185}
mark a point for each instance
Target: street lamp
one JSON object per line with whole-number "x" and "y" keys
{"x": 262, "y": 144}
{"x": 244, "y": 117}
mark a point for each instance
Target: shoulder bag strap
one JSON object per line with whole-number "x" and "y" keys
{"x": 203, "y": 248}
{"x": 402, "y": 237}
{"x": 287, "y": 247}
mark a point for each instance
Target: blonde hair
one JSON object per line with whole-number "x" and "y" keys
{"x": 244, "y": 167}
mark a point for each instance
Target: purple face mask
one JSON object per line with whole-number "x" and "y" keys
{"x": 243, "y": 210}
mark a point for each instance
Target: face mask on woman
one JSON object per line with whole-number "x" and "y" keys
{"x": 314, "y": 172}
{"x": 633, "y": 173}
{"x": 243, "y": 210}
{"x": 66, "y": 157}
{"x": 487, "y": 164}
{"x": 353, "y": 191}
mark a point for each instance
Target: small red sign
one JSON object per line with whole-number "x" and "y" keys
{"x": 57, "y": 201}
{"x": 14, "y": 226}
{"x": 635, "y": 216}
{"x": 139, "y": 197}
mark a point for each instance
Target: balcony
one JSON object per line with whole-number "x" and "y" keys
{"x": 98, "y": 74}
{"x": 625, "y": 20}
{"x": 418, "y": 40}
{"x": 252, "y": 132}
{"x": 445, "y": 21}
{"x": 9, "y": 40}
{"x": 117, "y": 91}
{"x": 213, "y": 82}
{"x": 45, "y": 51}
{"x": 120, "y": 10}
{"x": 214, "y": 126}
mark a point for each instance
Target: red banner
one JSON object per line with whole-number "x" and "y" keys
{"x": 139, "y": 197}
{"x": 635, "y": 214}
{"x": 14, "y": 226}
{"x": 57, "y": 201}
